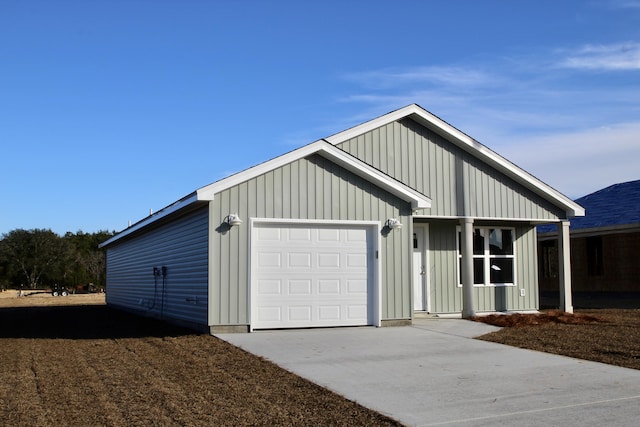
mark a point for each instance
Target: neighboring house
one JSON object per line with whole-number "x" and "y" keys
{"x": 605, "y": 244}
{"x": 400, "y": 215}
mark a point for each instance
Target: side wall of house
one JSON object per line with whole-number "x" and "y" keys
{"x": 312, "y": 188}
{"x": 181, "y": 292}
{"x": 446, "y": 293}
{"x": 601, "y": 262}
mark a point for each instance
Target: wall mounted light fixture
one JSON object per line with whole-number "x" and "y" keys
{"x": 393, "y": 224}
{"x": 233, "y": 220}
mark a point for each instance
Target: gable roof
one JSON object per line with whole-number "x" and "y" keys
{"x": 616, "y": 205}
{"x": 320, "y": 147}
{"x": 470, "y": 145}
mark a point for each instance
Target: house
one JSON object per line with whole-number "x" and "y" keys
{"x": 400, "y": 215}
{"x": 605, "y": 244}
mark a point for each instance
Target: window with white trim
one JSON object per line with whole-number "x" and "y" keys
{"x": 493, "y": 257}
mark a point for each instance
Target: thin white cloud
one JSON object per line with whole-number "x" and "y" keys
{"x": 431, "y": 75}
{"x": 581, "y": 162}
{"x": 625, "y": 4}
{"x": 552, "y": 124}
{"x": 619, "y": 56}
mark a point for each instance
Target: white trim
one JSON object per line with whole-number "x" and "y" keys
{"x": 469, "y": 144}
{"x": 423, "y": 229}
{"x": 533, "y": 221}
{"x": 180, "y": 204}
{"x": 253, "y": 220}
{"x": 323, "y": 148}
{"x": 486, "y": 257}
{"x": 373, "y": 228}
{"x": 320, "y": 147}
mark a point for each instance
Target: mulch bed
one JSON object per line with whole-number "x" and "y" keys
{"x": 609, "y": 336}
{"x": 92, "y": 365}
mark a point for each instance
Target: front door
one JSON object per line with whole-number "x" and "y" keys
{"x": 420, "y": 268}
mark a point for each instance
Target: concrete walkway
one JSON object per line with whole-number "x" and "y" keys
{"x": 433, "y": 373}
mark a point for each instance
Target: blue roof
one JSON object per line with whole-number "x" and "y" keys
{"x": 618, "y": 204}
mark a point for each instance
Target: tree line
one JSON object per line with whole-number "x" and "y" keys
{"x": 40, "y": 258}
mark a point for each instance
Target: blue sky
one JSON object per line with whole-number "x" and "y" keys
{"x": 111, "y": 108}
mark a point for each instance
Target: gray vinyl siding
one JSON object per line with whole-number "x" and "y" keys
{"x": 312, "y": 188}
{"x": 446, "y": 295}
{"x": 181, "y": 246}
{"x": 457, "y": 183}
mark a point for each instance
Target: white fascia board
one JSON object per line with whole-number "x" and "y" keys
{"x": 469, "y": 144}
{"x": 174, "y": 207}
{"x": 323, "y": 148}
{"x": 352, "y": 164}
{"x": 240, "y": 177}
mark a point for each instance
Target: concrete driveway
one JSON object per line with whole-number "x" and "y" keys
{"x": 433, "y": 373}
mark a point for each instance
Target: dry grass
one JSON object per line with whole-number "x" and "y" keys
{"x": 91, "y": 365}
{"x": 609, "y": 336}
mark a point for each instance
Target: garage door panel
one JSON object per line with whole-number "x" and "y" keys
{"x": 269, "y": 287}
{"x": 299, "y": 260}
{"x": 329, "y": 313}
{"x": 329, "y": 287}
{"x": 328, "y": 235}
{"x": 324, "y": 281}
{"x": 356, "y": 287}
{"x": 299, "y": 287}
{"x": 356, "y": 260}
{"x": 298, "y": 234}
{"x": 269, "y": 233}
{"x": 299, "y": 313}
{"x": 356, "y": 236}
{"x": 267, "y": 259}
{"x": 271, "y": 314}
{"x": 356, "y": 311}
{"x": 329, "y": 260}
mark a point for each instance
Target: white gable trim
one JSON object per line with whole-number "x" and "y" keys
{"x": 341, "y": 158}
{"x": 321, "y": 147}
{"x": 468, "y": 144}
{"x": 174, "y": 207}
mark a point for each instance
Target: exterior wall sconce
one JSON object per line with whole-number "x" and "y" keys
{"x": 393, "y": 224}
{"x": 232, "y": 220}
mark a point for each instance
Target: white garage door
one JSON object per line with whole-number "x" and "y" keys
{"x": 306, "y": 276}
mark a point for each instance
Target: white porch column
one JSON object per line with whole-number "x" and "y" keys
{"x": 564, "y": 270}
{"x": 467, "y": 268}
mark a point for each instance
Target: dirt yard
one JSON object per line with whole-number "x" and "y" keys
{"x": 74, "y": 361}
{"x": 609, "y": 336}
{"x": 90, "y": 365}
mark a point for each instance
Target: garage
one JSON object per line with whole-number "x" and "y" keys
{"x": 312, "y": 275}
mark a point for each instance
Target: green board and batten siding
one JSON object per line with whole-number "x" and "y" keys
{"x": 459, "y": 185}
{"x": 312, "y": 188}
{"x": 428, "y": 163}
{"x": 446, "y": 294}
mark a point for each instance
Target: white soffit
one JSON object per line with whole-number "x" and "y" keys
{"x": 462, "y": 140}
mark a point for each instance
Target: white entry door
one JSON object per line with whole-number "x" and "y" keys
{"x": 311, "y": 275}
{"x": 420, "y": 267}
